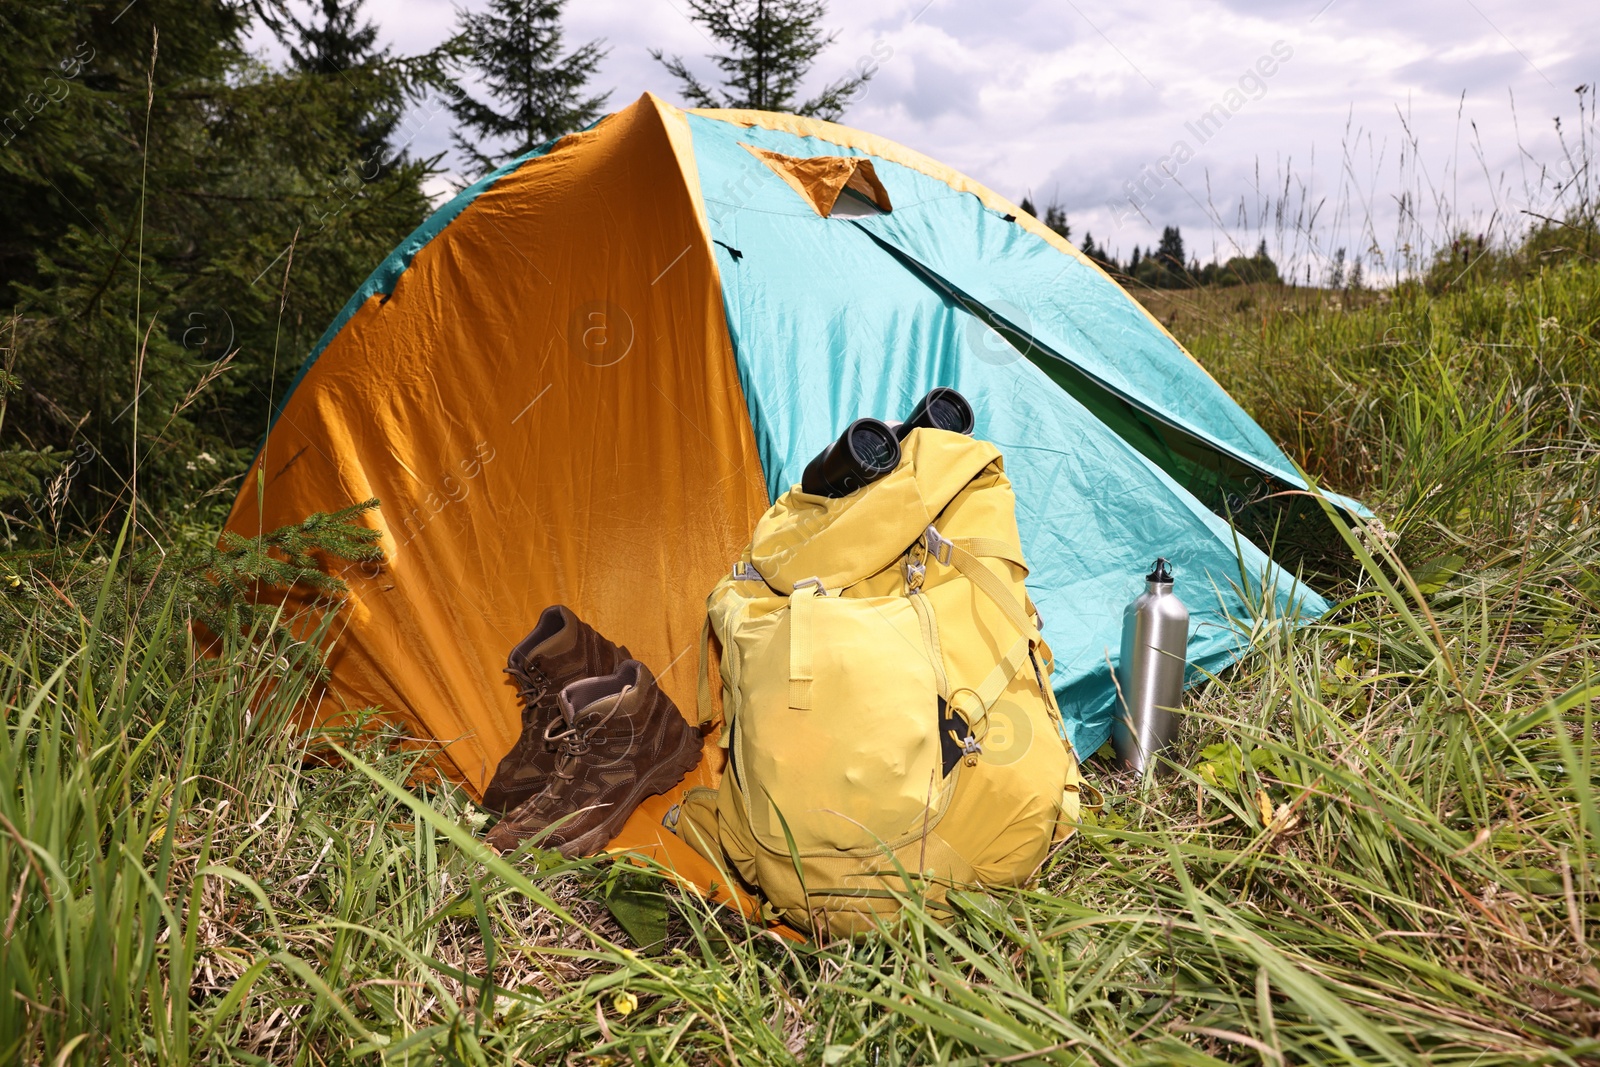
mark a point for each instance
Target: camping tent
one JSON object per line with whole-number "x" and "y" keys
{"x": 586, "y": 377}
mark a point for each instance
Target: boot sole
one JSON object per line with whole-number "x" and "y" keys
{"x": 685, "y": 758}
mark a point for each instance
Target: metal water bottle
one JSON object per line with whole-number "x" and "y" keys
{"x": 1155, "y": 645}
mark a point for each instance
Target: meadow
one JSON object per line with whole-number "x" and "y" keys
{"x": 1381, "y": 843}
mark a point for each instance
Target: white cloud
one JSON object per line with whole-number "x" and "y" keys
{"x": 1073, "y": 99}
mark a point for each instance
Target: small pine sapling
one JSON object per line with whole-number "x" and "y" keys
{"x": 230, "y": 585}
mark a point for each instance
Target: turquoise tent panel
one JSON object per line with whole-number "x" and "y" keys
{"x": 1079, "y": 314}
{"x": 1072, "y": 309}
{"x": 829, "y": 325}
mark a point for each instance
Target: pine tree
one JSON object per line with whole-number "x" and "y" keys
{"x": 1336, "y": 271}
{"x": 223, "y": 167}
{"x": 771, "y": 47}
{"x": 333, "y": 45}
{"x": 341, "y": 45}
{"x": 1027, "y": 206}
{"x": 1055, "y": 217}
{"x": 1100, "y": 254}
{"x": 535, "y": 93}
{"x": 1165, "y": 268}
{"x": 1170, "y": 251}
{"x": 23, "y": 471}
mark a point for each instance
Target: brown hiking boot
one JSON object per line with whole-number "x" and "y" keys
{"x": 619, "y": 739}
{"x": 562, "y": 649}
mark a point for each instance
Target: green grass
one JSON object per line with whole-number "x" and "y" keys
{"x": 1382, "y": 847}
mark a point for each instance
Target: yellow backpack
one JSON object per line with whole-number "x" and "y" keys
{"x": 886, "y": 699}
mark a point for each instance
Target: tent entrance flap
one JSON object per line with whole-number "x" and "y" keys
{"x": 1212, "y": 473}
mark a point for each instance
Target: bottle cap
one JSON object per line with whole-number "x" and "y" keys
{"x": 1161, "y": 572}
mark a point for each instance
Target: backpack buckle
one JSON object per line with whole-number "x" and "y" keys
{"x": 746, "y": 572}
{"x": 916, "y": 574}
{"x": 938, "y": 545}
{"x": 802, "y": 583}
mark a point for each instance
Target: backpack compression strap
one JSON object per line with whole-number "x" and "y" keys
{"x": 800, "y": 627}
{"x": 962, "y": 553}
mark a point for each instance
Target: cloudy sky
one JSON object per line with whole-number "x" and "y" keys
{"x": 1348, "y": 122}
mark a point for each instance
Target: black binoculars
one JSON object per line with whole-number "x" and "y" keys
{"x": 870, "y": 448}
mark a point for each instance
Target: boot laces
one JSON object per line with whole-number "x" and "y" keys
{"x": 576, "y": 740}
{"x": 535, "y": 686}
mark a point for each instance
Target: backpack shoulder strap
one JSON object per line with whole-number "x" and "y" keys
{"x": 962, "y": 554}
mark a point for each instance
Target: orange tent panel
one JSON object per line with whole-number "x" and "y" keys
{"x": 548, "y": 410}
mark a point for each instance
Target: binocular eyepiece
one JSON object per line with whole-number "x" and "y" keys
{"x": 941, "y": 409}
{"x": 870, "y": 448}
{"x": 865, "y": 452}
